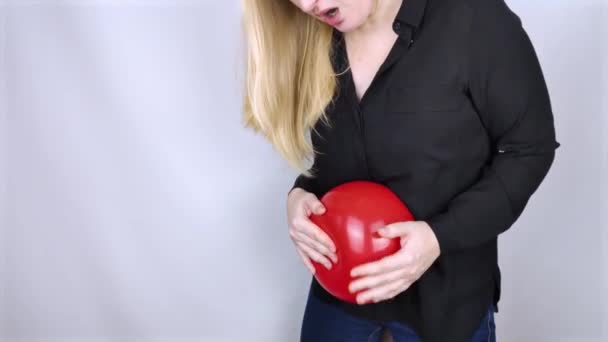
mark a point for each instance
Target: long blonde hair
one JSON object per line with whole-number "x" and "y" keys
{"x": 289, "y": 78}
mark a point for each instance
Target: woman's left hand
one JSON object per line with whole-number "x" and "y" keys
{"x": 391, "y": 275}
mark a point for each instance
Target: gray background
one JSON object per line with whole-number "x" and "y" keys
{"x": 135, "y": 207}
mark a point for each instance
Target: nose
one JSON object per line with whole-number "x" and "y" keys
{"x": 309, "y": 6}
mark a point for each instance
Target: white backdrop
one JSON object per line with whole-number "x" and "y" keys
{"x": 134, "y": 206}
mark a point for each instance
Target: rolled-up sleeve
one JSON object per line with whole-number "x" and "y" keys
{"x": 507, "y": 87}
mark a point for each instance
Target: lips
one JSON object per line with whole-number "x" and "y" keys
{"x": 331, "y": 16}
{"x": 330, "y": 12}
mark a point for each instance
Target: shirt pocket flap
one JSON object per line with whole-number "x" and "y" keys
{"x": 425, "y": 98}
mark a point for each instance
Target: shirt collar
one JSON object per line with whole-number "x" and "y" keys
{"x": 411, "y": 12}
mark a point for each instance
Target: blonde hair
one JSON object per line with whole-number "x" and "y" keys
{"x": 289, "y": 78}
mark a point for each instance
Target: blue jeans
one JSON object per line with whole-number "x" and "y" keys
{"x": 326, "y": 323}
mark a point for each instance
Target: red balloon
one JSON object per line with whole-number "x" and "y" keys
{"x": 354, "y": 212}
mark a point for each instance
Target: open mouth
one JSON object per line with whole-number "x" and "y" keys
{"x": 330, "y": 13}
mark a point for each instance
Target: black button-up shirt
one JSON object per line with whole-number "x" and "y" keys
{"x": 458, "y": 123}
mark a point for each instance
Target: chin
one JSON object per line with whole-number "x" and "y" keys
{"x": 347, "y": 26}
{"x": 350, "y": 24}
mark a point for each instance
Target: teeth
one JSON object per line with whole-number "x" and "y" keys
{"x": 332, "y": 12}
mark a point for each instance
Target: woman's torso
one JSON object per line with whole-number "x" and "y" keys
{"x": 417, "y": 131}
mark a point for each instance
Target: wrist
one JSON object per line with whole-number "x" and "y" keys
{"x": 433, "y": 237}
{"x": 295, "y": 190}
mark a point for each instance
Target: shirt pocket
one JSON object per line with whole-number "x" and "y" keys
{"x": 412, "y": 99}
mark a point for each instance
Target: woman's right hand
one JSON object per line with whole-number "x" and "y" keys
{"x": 311, "y": 242}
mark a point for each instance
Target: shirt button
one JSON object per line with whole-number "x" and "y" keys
{"x": 397, "y": 27}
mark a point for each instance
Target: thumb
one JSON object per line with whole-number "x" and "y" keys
{"x": 316, "y": 207}
{"x": 395, "y": 230}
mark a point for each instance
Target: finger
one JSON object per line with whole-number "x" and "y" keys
{"x": 383, "y": 292}
{"x": 376, "y": 281}
{"x": 316, "y": 245}
{"x": 307, "y": 227}
{"x": 400, "y": 289}
{"x": 314, "y": 255}
{"x": 314, "y": 205}
{"x": 395, "y": 230}
{"x": 384, "y": 265}
{"x": 306, "y": 261}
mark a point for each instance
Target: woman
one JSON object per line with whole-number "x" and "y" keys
{"x": 442, "y": 101}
